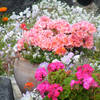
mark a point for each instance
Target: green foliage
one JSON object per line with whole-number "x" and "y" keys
{"x": 97, "y": 94}
{"x": 96, "y": 78}
{"x": 75, "y": 93}
{"x": 92, "y": 54}
{"x": 37, "y": 55}
{"x": 2, "y": 44}
{"x": 1, "y": 68}
{"x": 57, "y": 77}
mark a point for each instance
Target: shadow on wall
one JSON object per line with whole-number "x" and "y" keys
{"x": 20, "y": 5}
{"x": 88, "y": 2}
{"x": 85, "y": 2}
{"x": 16, "y": 5}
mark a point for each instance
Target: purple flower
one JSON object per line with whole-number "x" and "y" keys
{"x": 44, "y": 65}
{"x": 70, "y": 55}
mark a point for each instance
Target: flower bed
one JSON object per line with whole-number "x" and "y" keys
{"x": 48, "y": 34}
{"x": 59, "y": 84}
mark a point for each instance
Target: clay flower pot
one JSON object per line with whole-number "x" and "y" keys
{"x": 24, "y": 72}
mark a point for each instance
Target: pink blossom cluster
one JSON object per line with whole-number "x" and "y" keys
{"x": 55, "y": 66}
{"x": 43, "y": 88}
{"x": 53, "y": 34}
{"x": 40, "y": 74}
{"x": 84, "y": 76}
{"x": 82, "y": 34}
{"x": 52, "y": 90}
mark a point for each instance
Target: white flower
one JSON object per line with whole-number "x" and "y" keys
{"x": 55, "y": 60}
{"x": 98, "y": 67}
{"x": 28, "y": 14}
{"x": 13, "y": 16}
{"x": 21, "y": 14}
{"x": 34, "y": 55}
{"x": 15, "y": 48}
{"x": 76, "y": 58}
{"x": 27, "y": 96}
{"x": 26, "y": 10}
{"x": 66, "y": 60}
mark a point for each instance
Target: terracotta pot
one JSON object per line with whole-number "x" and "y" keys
{"x": 24, "y": 72}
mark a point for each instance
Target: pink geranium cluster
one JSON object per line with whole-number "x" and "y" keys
{"x": 55, "y": 66}
{"x": 84, "y": 76}
{"x": 54, "y": 91}
{"x": 43, "y": 88}
{"x": 40, "y": 74}
{"x": 51, "y": 90}
{"x": 54, "y": 34}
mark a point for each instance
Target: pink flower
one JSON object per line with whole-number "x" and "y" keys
{"x": 40, "y": 74}
{"x": 86, "y": 86}
{"x": 54, "y": 91}
{"x": 84, "y": 76}
{"x": 43, "y": 88}
{"x": 73, "y": 82}
{"x": 82, "y": 33}
{"x": 20, "y": 44}
{"x": 51, "y": 34}
{"x": 87, "y": 68}
{"x": 89, "y": 82}
{"x": 83, "y": 71}
{"x": 55, "y": 66}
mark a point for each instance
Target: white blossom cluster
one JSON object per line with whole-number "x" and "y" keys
{"x": 51, "y": 8}
{"x": 34, "y": 95}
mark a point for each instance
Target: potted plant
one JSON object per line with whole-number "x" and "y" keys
{"x": 51, "y": 39}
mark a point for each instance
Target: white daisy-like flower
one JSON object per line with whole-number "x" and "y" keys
{"x": 76, "y": 58}
{"x": 27, "y": 96}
